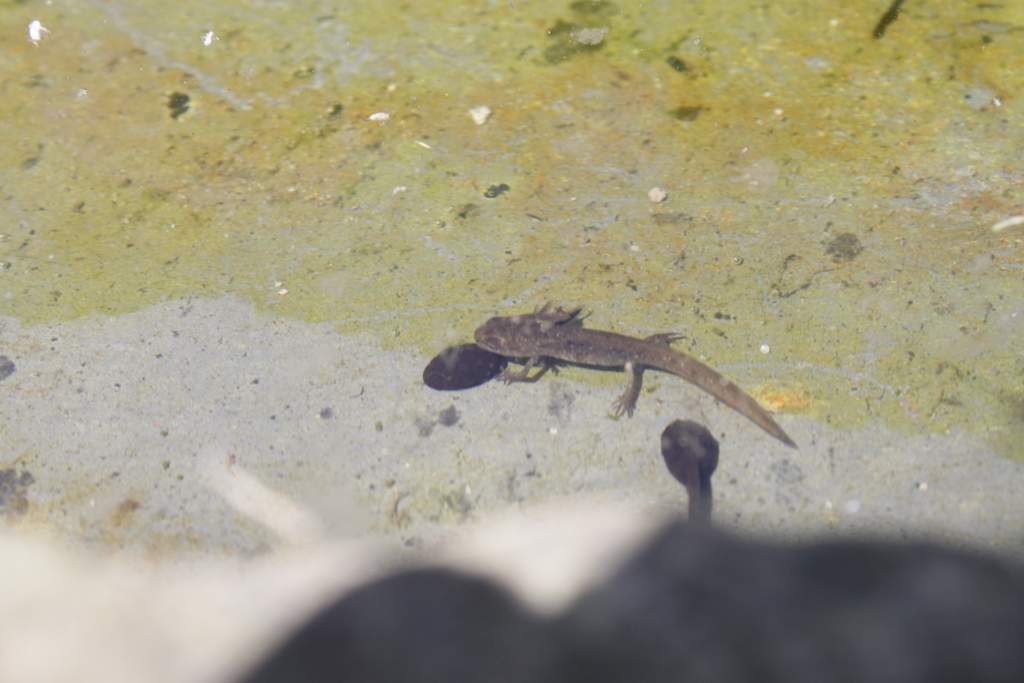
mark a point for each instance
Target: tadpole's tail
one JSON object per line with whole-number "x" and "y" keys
{"x": 700, "y": 375}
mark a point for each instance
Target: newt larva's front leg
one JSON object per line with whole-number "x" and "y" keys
{"x": 508, "y": 376}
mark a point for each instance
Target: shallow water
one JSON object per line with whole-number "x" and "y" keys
{"x": 826, "y": 240}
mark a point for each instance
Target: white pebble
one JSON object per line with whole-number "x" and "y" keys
{"x": 480, "y": 114}
{"x": 765, "y": 348}
{"x": 36, "y": 31}
{"x": 657, "y": 195}
{"x": 380, "y": 116}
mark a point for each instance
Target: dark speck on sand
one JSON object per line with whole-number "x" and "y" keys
{"x": 6, "y": 367}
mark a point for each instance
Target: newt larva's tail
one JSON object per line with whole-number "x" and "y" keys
{"x": 700, "y": 375}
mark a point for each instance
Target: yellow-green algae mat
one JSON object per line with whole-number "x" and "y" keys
{"x": 833, "y": 179}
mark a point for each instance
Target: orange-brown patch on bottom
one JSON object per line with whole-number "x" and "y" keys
{"x": 124, "y": 512}
{"x": 785, "y": 400}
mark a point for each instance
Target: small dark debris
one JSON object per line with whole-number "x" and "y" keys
{"x": 13, "y": 486}
{"x": 29, "y": 163}
{"x": 462, "y": 367}
{"x": 326, "y": 413}
{"x": 468, "y": 210}
{"x": 844, "y": 247}
{"x": 448, "y": 417}
{"x": 7, "y": 367}
{"x": 125, "y": 511}
{"x": 496, "y": 190}
{"x": 424, "y": 427}
{"x": 677, "y": 64}
{"x": 671, "y": 218}
{"x": 687, "y": 112}
{"x": 335, "y": 111}
{"x": 178, "y": 103}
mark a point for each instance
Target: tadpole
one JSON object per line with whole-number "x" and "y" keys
{"x": 691, "y": 455}
{"x": 462, "y": 367}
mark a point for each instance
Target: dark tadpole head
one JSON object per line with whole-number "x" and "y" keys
{"x": 462, "y": 367}
{"x": 691, "y": 455}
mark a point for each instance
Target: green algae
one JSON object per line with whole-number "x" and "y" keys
{"x": 829, "y": 193}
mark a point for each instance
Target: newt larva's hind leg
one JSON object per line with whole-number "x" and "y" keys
{"x": 508, "y": 376}
{"x": 627, "y": 402}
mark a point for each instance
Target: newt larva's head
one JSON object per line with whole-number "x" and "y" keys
{"x": 502, "y": 334}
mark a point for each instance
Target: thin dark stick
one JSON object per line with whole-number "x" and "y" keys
{"x": 887, "y": 18}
